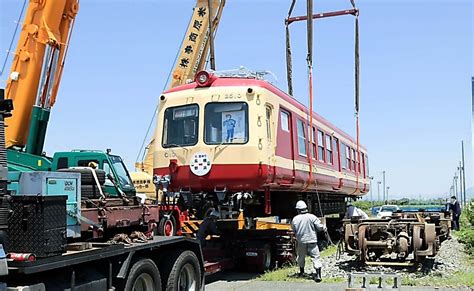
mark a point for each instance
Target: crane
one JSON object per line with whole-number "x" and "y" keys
{"x": 36, "y": 73}
{"x": 194, "y": 50}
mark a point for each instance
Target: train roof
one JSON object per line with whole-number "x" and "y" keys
{"x": 238, "y": 81}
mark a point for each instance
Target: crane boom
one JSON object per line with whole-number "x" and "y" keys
{"x": 191, "y": 59}
{"x": 195, "y": 47}
{"x": 36, "y": 71}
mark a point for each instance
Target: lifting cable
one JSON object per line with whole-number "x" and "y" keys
{"x": 354, "y": 11}
{"x": 356, "y": 89}
{"x": 289, "y": 65}
{"x": 155, "y": 112}
{"x": 309, "y": 60}
{"x": 13, "y": 37}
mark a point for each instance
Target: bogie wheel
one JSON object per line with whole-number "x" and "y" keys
{"x": 183, "y": 273}
{"x": 362, "y": 243}
{"x": 143, "y": 276}
{"x": 167, "y": 226}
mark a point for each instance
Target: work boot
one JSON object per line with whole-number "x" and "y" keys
{"x": 301, "y": 273}
{"x": 317, "y": 276}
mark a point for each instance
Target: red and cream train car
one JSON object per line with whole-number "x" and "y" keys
{"x": 221, "y": 136}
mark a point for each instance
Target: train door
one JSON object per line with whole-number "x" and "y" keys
{"x": 270, "y": 134}
{"x": 285, "y": 149}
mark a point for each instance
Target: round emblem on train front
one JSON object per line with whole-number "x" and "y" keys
{"x": 200, "y": 164}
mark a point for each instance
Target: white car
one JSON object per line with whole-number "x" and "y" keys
{"x": 387, "y": 210}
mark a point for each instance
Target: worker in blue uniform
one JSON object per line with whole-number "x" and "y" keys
{"x": 456, "y": 212}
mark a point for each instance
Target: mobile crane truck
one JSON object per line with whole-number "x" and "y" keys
{"x": 59, "y": 226}
{"x": 44, "y": 251}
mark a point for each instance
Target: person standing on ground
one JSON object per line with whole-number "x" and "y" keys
{"x": 456, "y": 210}
{"x": 305, "y": 226}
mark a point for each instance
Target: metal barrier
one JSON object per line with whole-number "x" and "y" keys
{"x": 382, "y": 281}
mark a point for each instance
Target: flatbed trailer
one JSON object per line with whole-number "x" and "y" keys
{"x": 158, "y": 264}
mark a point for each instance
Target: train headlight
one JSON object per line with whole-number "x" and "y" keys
{"x": 204, "y": 78}
{"x": 173, "y": 166}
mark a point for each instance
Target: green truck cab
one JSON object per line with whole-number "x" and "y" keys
{"x": 112, "y": 164}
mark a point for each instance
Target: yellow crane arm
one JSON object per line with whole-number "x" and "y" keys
{"x": 38, "y": 62}
{"x": 195, "y": 47}
{"x": 192, "y": 58}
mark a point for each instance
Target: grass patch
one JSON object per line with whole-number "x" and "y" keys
{"x": 458, "y": 279}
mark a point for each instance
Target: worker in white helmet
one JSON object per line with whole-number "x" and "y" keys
{"x": 305, "y": 226}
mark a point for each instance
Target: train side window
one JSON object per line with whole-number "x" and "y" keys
{"x": 268, "y": 112}
{"x": 337, "y": 160}
{"x": 348, "y": 158}
{"x": 344, "y": 155}
{"x": 313, "y": 142}
{"x": 353, "y": 160}
{"x": 367, "y": 165}
{"x": 285, "y": 117}
{"x": 363, "y": 164}
{"x": 358, "y": 162}
{"x": 321, "y": 145}
{"x": 329, "y": 157}
{"x": 301, "y": 138}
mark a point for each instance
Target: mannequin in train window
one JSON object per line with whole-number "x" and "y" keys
{"x": 229, "y": 124}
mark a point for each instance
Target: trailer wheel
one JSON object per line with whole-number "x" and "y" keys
{"x": 167, "y": 226}
{"x": 143, "y": 276}
{"x": 185, "y": 273}
{"x": 267, "y": 262}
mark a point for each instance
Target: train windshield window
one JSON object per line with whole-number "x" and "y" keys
{"x": 226, "y": 123}
{"x": 180, "y": 127}
{"x": 301, "y": 139}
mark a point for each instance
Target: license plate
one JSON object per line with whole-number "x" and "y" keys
{"x": 251, "y": 254}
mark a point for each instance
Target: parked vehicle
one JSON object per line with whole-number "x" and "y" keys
{"x": 387, "y": 210}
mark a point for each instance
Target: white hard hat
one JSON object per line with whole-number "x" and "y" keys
{"x": 301, "y": 205}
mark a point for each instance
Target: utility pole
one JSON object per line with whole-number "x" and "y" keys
{"x": 456, "y": 185}
{"x": 378, "y": 190}
{"x": 383, "y": 173}
{"x": 386, "y": 198}
{"x": 463, "y": 173}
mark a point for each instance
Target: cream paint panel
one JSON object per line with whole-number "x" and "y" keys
{"x": 255, "y": 151}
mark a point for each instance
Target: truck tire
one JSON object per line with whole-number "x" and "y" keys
{"x": 261, "y": 263}
{"x": 144, "y": 276}
{"x": 86, "y": 175}
{"x": 167, "y": 226}
{"x": 267, "y": 262}
{"x": 182, "y": 273}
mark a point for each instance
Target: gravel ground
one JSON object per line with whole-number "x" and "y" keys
{"x": 449, "y": 260}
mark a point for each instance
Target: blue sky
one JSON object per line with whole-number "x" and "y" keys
{"x": 416, "y": 66}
